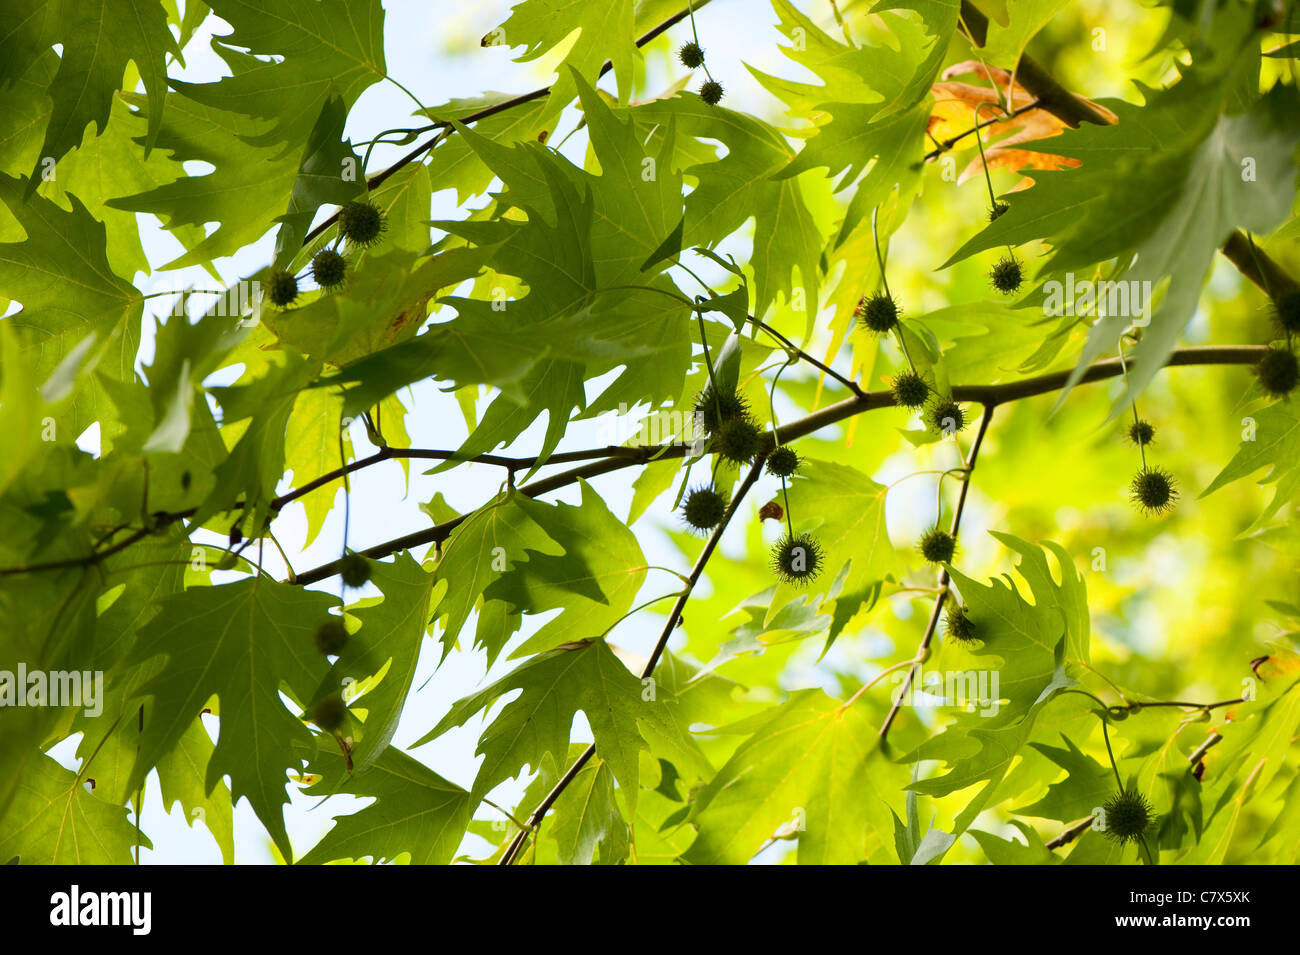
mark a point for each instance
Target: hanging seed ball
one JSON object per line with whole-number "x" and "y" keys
{"x": 797, "y": 560}
{"x": 1153, "y": 490}
{"x": 328, "y": 269}
{"x": 959, "y": 626}
{"x": 361, "y": 223}
{"x": 947, "y": 417}
{"x": 691, "y": 55}
{"x": 738, "y": 440}
{"x": 937, "y": 546}
{"x": 1278, "y": 372}
{"x": 331, "y": 637}
{"x": 355, "y": 570}
{"x": 1141, "y": 432}
{"x": 1287, "y": 312}
{"x": 703, "y": 508}
{"x": 329, "y": 713}
{"x": 1007, "y": 276}
{"x": 1128, "y": 815}
{"x": 998, "y": 209}
{"x": 281, "y": 288}
{"x": 714, "y": 410}
{"x": 782, "y": 462}
{"x": 910, "y": 390}
{"x": 879, "y": 312}
{"x": 711, "y": 92}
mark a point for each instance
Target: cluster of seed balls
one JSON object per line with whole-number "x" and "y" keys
{"x": 796, "y": 558}
{"x": 879, "y": 313}
{"x": 331, "y": 637}
{"x": 360, "y": 225}
{"x": 692, "y": 57}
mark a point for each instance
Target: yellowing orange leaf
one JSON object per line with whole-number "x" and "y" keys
{"x": 954, "y": 115}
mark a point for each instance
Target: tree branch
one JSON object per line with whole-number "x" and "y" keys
{"x": 619, "y": 457}
{"x": 987, "y": 395}
{"x": 1070, "y": 834}
{"x": 1051, "y": 95}
{"x": 1070, "y": 109}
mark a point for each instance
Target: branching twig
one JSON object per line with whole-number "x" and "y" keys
{"x": 620, "y": 457}
{"x": 674, "y": 616}
{"x": 1060, "y": 102}
{"x": 943, "y": 574}
{"x": 446, "y": 129}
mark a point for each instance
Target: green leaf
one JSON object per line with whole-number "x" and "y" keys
{"x": 593, "y": 581}
{"x": 326, "y": 48}
{"x": 60, "y": 272}
{"x": 587, "y": 820}
{"x": 1087, "y": 786}
{"x": 845, "y": 511}
{"x": 556, "y": 685}
{"x": 415, "y": 811}
{"x": 54, "y": 820}
{"x": 805, "y": 763}
{"x": 99, "y": 37}
{"x": 605, "y": 33}
{"x": 1004, "y": 44}
{"x": 240, "y": 642}
{"x": 478, "y": 553}
{"x": 326, "y": 160}
{"x": 182, "y": 775}
{"x": 386, "y": 649}
{"x": 1273, "y": 442}
{"x": 739, "y": 187}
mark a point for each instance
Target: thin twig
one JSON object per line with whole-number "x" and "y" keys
{"x": 674, "y": 616}
{"x": 446, "y": 129}
{"x": 943, "y": 574}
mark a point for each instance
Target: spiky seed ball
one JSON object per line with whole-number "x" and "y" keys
{"x": 959, "y": 626}
{"x": 1141, "y": 432}
{"x": 1278, "y": 372}
{"x": 879, "y": 312}
{"x": 1153, "y": 490}
{"x": 328, "y": 268}
{"x": 937, "y": 546}
{"x": 910, "y": 390}
{"x": 947, "y": 417}
{"x": 361, "y": 223}
{"x": 783, "y": 462}
{"x": 331, "y": 637}
{"x": 355, "y": 570}
{"x": 1128, "y": 815}
{"x": 797, "y": 560}
{"x": 703, "y": 508}
{"x": 998, "y": 209}
{"x": 691, "y": 55}
{"x": 738, "y": 440}
{"x": 715, "y": 408}
{"x": 281, "y": 288}
{"x": 329, "y": 713}
{"x": 711, "y": 92}
{"x": 1007, "y": 276}
{"x": 1286, "y": 310}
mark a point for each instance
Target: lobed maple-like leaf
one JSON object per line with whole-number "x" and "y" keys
{"x": 240, "y": 642}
